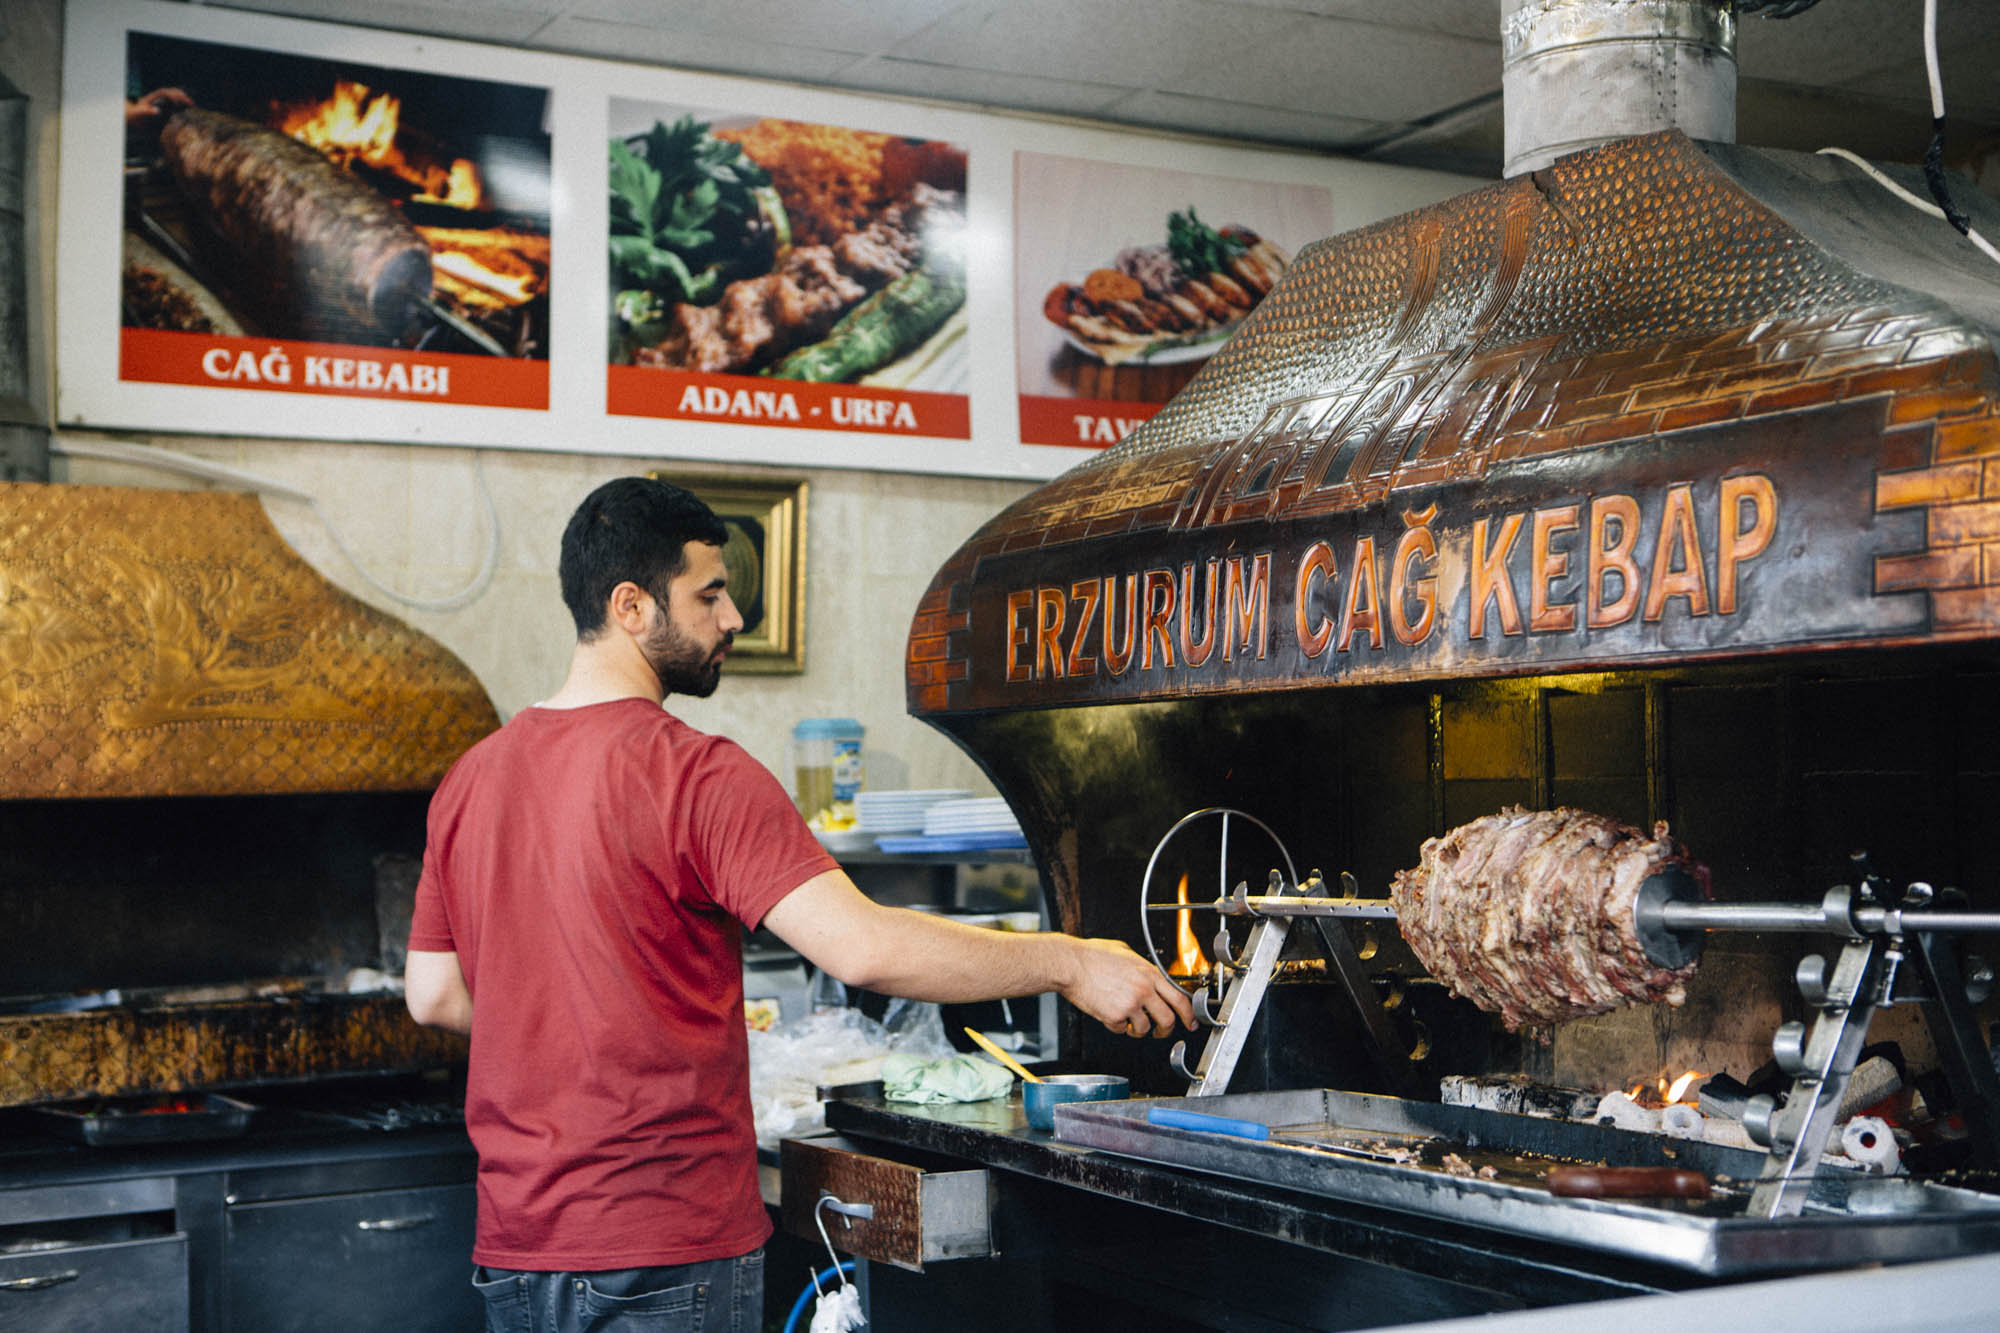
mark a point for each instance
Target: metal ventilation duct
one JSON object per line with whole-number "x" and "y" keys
{"x": 1578, "y": 73}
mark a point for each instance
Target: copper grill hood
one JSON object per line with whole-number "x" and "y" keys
{"x": 1662, "y": 400}
{"x": 208, "y": 755}
{"x": 1661, "y": 413}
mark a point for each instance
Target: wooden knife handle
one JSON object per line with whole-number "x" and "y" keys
{"x": 1627, "y": 1182}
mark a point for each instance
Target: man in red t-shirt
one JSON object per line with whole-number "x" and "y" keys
{"x": 590, "y": 870}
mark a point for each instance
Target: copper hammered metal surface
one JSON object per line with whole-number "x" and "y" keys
{"x": 170, "y": 643}
{"x": 1633, "y": 246}
{"x": 893, "y": 1235}
{"x": 127, "y": 1051}
{"x": 1630, "y": 322}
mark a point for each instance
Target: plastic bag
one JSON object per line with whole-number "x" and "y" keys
{"x": 916, "y": 1027}
{"x": 790, "y": 1062}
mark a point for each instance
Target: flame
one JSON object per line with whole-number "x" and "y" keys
{"x": 494, "y": 268}
{"x": 1189, "y": 960}
{"x": 1664, "y": 1093}
{"x": 354, "y": 126}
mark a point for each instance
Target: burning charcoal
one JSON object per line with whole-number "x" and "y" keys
{"x": 1872, "y": 1080}
{"x": 1872, "y": 1144}
{"x": 1621, "y": 1112}
{"x": 1518, "y": 1095}
{"x": 1681, "y": 1121}
{"x": 1722, "y": 1096}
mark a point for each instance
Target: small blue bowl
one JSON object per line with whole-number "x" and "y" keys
{"x": 1040, "y": 1100}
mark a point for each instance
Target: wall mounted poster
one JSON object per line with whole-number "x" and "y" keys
{"x": 776, "y": 273}
{"x": 275, "y": 228}
{"x": 308, "y": 225}
{"x": 1127, "y": 279}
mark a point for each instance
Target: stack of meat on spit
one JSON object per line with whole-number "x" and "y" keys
{"x": 1531, "y": 914}
{"x": 315, "y": 241}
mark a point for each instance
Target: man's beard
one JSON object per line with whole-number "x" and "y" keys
{"x": 679, "y": 662}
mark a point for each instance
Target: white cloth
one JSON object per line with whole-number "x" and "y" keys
{"x": 838, "y": 1310}
{"x": 956, "y": 1078}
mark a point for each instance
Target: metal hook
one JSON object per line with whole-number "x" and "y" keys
{"x": 847, "y": 1211}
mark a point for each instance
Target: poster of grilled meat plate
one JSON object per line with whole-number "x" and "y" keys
{"x": 312, "y": 225}
{"x": 1129, "y": 278}
{"x": 780, "y": 273}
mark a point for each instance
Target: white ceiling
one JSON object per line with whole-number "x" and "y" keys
{"x": 1412, "y": 81}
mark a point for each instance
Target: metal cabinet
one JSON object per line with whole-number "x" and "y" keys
{"x": 135, "y": 1286}
{"x": 93, "y": 1257}
{"x": 304, "y": 1230}
{"x": 396, "y": 1258}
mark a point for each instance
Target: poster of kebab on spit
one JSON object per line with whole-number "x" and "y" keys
{"x": 774, "y": 272}
{"x": 307, "y": 225}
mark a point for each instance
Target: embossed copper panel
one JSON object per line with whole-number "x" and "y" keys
{"x": 170, "y": 643}
{"x": 1616, "y": 413}
{"x": 125, "y": 1051}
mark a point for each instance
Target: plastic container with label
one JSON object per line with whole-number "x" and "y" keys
{"x": 826, "y": 761}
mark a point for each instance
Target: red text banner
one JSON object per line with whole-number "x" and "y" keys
{"x": 1083, "y": 423}
{"x": 751, "y": 400}
{"x": 277, "y": 365}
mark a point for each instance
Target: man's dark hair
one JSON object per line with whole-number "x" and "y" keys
{"x": 632, "y": 528}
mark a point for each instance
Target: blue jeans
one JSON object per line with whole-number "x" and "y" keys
{"x": 716, "y": 1296}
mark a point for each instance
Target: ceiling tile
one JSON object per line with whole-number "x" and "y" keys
{"x": 854, "y": 28}
{"x": 747, "y": 54}
{"x": 1356, "y": 70}
{"x": 1477, "y": 19}
{"x": 1128, "y": 43}
{"x": 1241, "y": 120}
{"x": 1016, "y": 92}
{"x": 1969, "y": 71}
{"x": 1829, "y": 42}
{"x": 509, "y": 24}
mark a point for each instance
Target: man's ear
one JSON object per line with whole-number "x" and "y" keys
{"x": 628, "y": 607}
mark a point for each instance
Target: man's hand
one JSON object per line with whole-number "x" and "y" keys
{"x": 1125, "y": 992}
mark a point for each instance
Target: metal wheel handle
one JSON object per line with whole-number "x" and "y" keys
{"x": 1225, "y": 813}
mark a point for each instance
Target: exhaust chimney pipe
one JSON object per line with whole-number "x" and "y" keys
{"x": 1578, "y": 73}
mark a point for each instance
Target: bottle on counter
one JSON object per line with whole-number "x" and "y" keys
{"x": 827, "y": 769}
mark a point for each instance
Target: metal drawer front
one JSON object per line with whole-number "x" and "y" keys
{"x": 382, "y": 1259}
{"x": 135, "y": 1286}
{"x": 919, "y": 1216}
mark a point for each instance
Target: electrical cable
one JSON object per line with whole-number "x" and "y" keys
{"x": 187, "y": 465}
{"x": 1934, "y": 175}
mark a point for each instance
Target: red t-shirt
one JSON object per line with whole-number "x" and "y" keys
{"x": 590, "y": 867}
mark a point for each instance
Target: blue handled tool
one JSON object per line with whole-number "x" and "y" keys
{"x": 1207, "y": 1124}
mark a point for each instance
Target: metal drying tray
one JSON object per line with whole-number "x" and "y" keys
{"x": 1338, "y": 1145}
{"x": 178, "y": 1118}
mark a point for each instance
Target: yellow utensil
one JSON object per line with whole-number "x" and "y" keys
{"x": 1002, "y": 1056}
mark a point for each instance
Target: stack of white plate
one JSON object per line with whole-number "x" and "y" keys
{"x": 954, "y": 818}
{"x": 878, "y": 812}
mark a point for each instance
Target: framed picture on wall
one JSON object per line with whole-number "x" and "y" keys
{"x": 766, "y": 559}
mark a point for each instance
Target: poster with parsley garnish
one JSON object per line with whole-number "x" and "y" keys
{"x": 782, "y": 273}
{"x": 1129, "y": 278}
